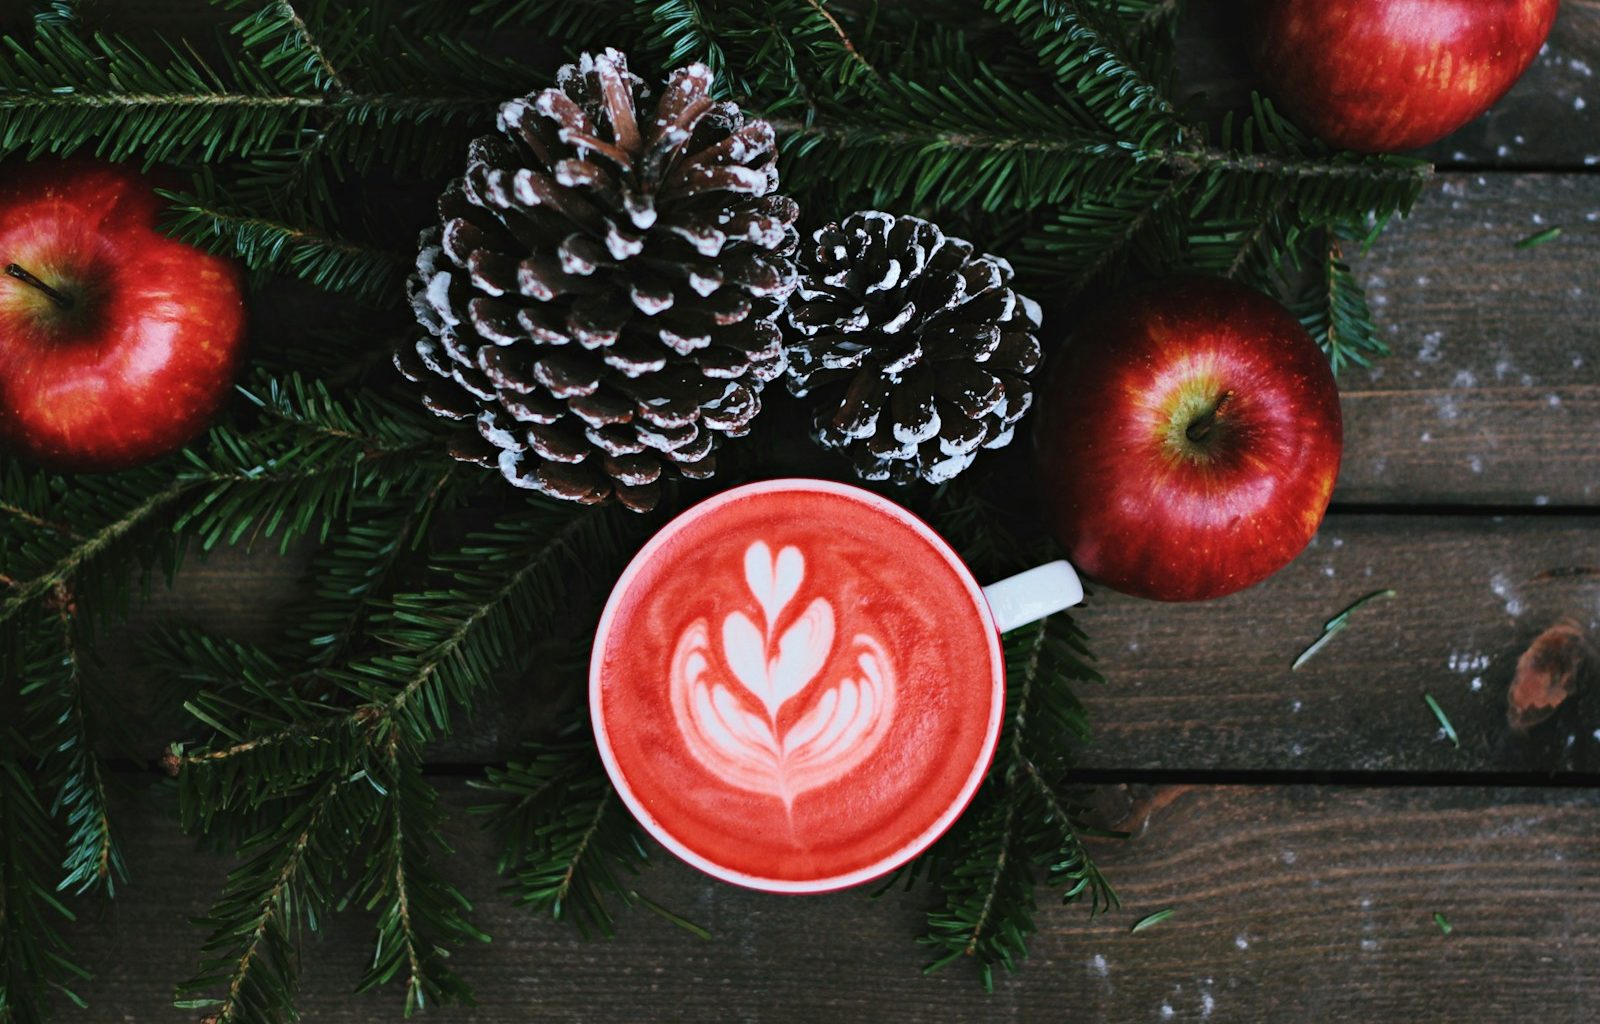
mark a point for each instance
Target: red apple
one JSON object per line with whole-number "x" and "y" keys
{"x": 117, "y": 344}
{"x": 1188, "y": 440}
{"x": 1381, "y": 76}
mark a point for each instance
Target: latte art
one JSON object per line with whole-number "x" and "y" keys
{"x": 731, "y": 709}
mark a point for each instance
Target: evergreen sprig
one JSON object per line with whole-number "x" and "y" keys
{"x": 63, "y": 727}
{"x": 36, "y": 969}
{"x": 1333, "y": 307}
{"x": 569, "y": 844}
{"x": 421, "y": 915}
{"x": 1022, "y": 824}
{"x": 266, "y": 246}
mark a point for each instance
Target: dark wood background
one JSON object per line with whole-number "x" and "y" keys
{"x": 1304, "y": 826}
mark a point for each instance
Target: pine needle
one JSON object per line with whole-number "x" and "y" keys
{"x": 1444, "y": 722}
{"x": 1334, "y": 626}
{"x": 1444, "y": 924}
{"x": 1151, "y": 920}
{"x": 1539, "y": 238}
{"x": 698, "y": 931}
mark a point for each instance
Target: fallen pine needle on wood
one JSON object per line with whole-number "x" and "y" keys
{"x": 1438, "y": 712}
{"x": 1443, "y": 923}
{"x": 1334, "y": 626}
{"x": 1151, "y": 920}
{"x": 1539, "y": 238}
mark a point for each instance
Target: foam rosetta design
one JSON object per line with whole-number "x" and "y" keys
{"x": 731, "y": 709}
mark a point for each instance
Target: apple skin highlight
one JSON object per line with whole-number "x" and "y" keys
{"x": 146, "y": 347}
{"x": 1188, "y": 440}
{"x": 1385, "y": 76}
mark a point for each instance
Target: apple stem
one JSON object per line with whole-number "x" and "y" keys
{"x": 1202, "y": 424}
{"x": 60, "y": 299}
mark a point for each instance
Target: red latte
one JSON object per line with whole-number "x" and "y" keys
{"x": 796, "y": 686}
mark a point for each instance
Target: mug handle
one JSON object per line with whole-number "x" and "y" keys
{"x": 1030, "y": 596}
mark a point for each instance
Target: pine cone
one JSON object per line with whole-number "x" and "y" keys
{"x": 600, "y": 296}
{"x": 916, "y": 348}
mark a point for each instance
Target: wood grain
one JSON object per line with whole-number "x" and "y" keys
{"x": 1209, "y": 685}
{"x": 1492, "y": 394}
{"x": 1290, "y": 904}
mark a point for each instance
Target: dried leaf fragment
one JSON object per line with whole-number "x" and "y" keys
{"x": 1547, "y": 675}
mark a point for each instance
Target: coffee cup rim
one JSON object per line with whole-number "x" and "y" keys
{"x": 929, "y": 835}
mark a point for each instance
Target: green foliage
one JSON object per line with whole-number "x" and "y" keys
{"x": 96, "y": 535}
{"x": 313, "y": 135}
{"x": 421, "y": 914}
{"x": 773, "y": 55}
{"x": 1022, "y": 824}
{"x": 307, "y": 458}
{"x": 265, "y": 246}
{"x": 35, "y": 966}
{"x": 568, "y": 841}
{"x": 1333, "y": 307}
{"x": 290, "y": 879}
{"x": 358, "y": 702}
{"x": 595, "y": 22}
{"x": 63, "y": 727}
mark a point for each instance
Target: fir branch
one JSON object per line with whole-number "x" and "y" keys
{"x": 1088, "y": 56}
{"x": 979, "y": 927}
{"x": 35, "y": 962}
{"x": 1073, "y": 870}
{"x": 977, "y": 141}
{"x": 988, "y": 909}
{"x": 272, "y": 739}
{"x": 90, "y": 547}
{"x": 367, "y": 273}
{"x": 1268, "y": 162}
{"x": 65, "y": 93}
{"x": 577, "y": 25}
{"x": 1333, "y": 307}
{"x": 1019, "y": 824}
{"x": 422, "y": 914}
{"x": 449, "y": 644}
{"x": 300, "y": 473}
{"x": 1100, "y": 238}
{"x": 58, "y": 720}
{"x": 287, "y": 881}
{"x": 855, "y": 56}
{"x": 567, "y": 840}
{"x": 355, "y": 569}
{"x": 278, "y": 21}
{"x": 34, "y": 519}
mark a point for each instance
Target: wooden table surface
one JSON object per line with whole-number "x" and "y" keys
{"x": 1304, "y": 826}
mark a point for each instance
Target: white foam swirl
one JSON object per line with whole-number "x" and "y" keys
{"x": 731, "y": 724}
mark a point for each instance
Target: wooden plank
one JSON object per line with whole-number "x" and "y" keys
{"x": 1209, "y": 685}
{"x": 1493, "y": 391}
{"x": 1290, "y": 904}
{"x": 1549, "y": 119}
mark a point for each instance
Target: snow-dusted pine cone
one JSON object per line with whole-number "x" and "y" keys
{"x": 601, "y": 292}
{"x": 917, "y": 351}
